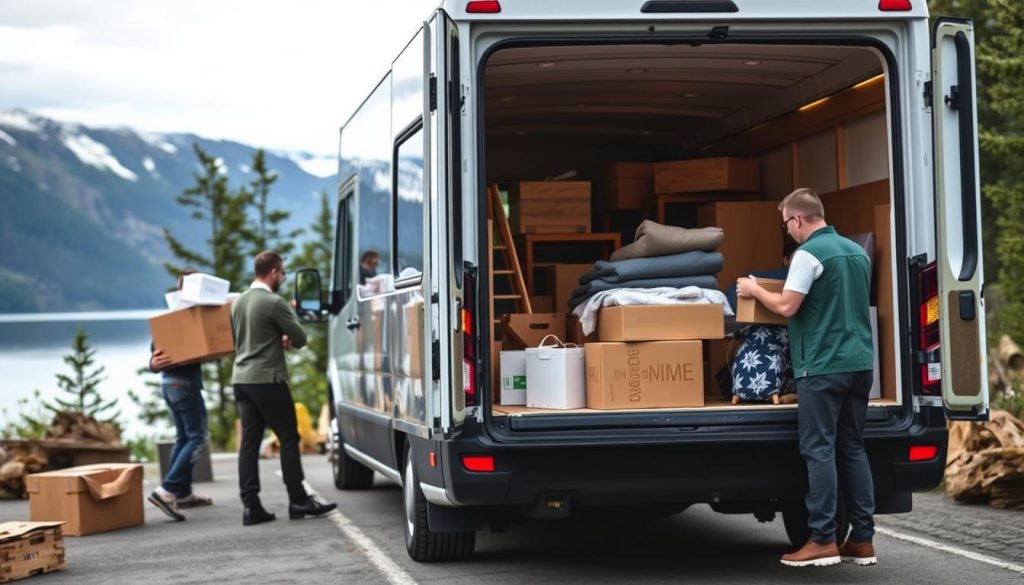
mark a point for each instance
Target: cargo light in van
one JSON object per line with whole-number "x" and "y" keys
{"x": 869, "y": 81}
{"x": 923, "y": 452}
{"x": 812, "y": 105}
{"x": 483, "y": 7}
{"x": 894, "y": 5}
{"x": 479, "y": 463}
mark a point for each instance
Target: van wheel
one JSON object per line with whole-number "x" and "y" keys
{"x": 794, "y": 517}
{"x": 348, "y": 473}
{"x": 423, "y": 544}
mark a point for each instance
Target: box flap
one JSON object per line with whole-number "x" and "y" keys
{"x": 15, "y": 530}
{"x": 89, "y": 478}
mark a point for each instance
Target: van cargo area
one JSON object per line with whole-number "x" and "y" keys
{"x": 583, "y": 142}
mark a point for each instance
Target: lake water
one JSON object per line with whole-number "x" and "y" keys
{"x": 32, "y": 348}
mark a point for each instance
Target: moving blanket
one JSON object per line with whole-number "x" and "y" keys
{"x": 587, "y": 312}
{"x": 695, "y": 263}
{"x": 582, "y": 293}
{"x": 654, "y": 239}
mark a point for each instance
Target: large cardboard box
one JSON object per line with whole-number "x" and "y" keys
{"x": 522, "y": 330}
{"x": 661, "y": 322}
{"x": 88, "y": 499}
{"x": 707, "y": 174}
{"x": 630, "y": 186}
{"x": 194, "y": 334}
{"x": 550, "y": 207}
{"x": 657, "y": 374}
{"x": 513, "y": 377}
{"x": 30, "y": 548}
{"x": 749, "y": 310}
{"x": 555, "y": 377}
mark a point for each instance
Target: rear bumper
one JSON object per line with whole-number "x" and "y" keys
{"x": 708, "y": 472}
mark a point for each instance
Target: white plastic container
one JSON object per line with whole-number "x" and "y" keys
{"x": 556, "y": 375}
{"x": 204, "y": 289}
{"x": 514, "y": 382}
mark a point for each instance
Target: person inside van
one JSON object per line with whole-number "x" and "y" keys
{"x": 368, "y": 263}
{"x": 826, "y": 298}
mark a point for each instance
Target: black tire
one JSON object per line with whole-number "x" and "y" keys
{"x": 423, "y": 544}
{"x": 794, "y": 517}
{"x": 348, "y": 473}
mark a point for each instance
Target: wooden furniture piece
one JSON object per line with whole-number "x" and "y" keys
{"x": 666, "y": 199}
{"x": 725, "y": 174}
{"x": 505, "y": 251}
{"x": 550, "y": 207}
{"x": 610, "y": 241}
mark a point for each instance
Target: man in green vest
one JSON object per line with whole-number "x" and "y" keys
{"x": 826, "y": 298}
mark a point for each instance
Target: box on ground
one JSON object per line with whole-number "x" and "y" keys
{"x": 707, "y": 174}
{"x": 550, "y": 207}
{"x": 661, "y": 322}
{"x": 30, "y": 548}
{"x": 194, "y": 334}
{"x": 204, "y": 289}
{"x": 513, "y": 377}
{"x": 750, "y": 310}
{"x": 522, "y": 330}
{"x": 630, "y": 186}
{"x": 88, "y": 499}
{"x": 655, "y": 374}
{"x": 556, "y": 377}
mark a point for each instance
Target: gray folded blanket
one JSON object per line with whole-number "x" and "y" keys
{"x": 584, "y": 292}
{"x": 654, "y": 239}
{"x": 695, "y": 263}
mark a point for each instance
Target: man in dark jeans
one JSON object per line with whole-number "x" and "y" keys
{"x": 265, "y": 325}
{"x": 182, "y": 387}
{"x": 826, "y": 298}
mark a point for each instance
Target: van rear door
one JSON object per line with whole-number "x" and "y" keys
{"x": 958, "y": 222}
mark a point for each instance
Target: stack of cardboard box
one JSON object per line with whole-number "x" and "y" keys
{"x": 198, "y": 327}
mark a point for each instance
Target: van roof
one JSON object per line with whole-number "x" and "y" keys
{"x": 568, "y": 10}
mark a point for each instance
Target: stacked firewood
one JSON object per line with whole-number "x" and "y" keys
{"x": 986, "y": 461}
{"x": 15, "y": 463}
{"x": 82, "y": 429}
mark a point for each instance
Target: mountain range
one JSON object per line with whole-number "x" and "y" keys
{"x": 82, "y": 210}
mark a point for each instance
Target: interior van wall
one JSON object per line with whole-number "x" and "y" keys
{"x": 867, "y": 149}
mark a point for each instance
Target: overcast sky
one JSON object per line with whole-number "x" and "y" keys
{"x": 276, "y": 74}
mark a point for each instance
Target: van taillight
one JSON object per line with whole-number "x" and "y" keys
{"x": 928, "y": 328}
{"x": 467, "y": 318}
{"x": 483, "y": 7}
{"x": 894, "y": 5}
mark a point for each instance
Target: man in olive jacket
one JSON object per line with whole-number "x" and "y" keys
{"x": 265, "y": 325}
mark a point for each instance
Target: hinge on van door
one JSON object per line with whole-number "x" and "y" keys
{"x": 927, "y": 94}
{"x": 435, "y": 353}
{"x": 433, "y": 92}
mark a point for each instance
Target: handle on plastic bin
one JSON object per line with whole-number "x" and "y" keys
{"x": 115, "y": 488}
{"x": 558, "y": 342}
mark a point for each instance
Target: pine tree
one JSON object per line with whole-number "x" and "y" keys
{"x": 80, "y": 387}
{"x": 266, "y": 233}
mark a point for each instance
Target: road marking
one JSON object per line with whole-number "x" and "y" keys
{"x": 392, "y": 572}
{"x": 951, "y": 549}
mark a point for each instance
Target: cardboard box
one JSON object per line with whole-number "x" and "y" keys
{"x": 661, "y": 322}
{"x": 542, "y": 304}
{"x": 707, "y": 174}
{"x": 522, "y": 330}
{"x": 30, "y": 548}
{"x": 656, "y": 374}
{"x": 565, "y": 278}
{"x": 752, "y": 240}
{"x": 550, "y": 207}
{"x": 194, "y": 334}
{"x": 204, "y": 289}
{"x": 574, "y": 331}
{"x": 513, "y": 377}
{"x": 556, "y": 377}
{"x": 88, "y": 499}
{"x": 630, "y": 186}
{"x": 749, "y": 310}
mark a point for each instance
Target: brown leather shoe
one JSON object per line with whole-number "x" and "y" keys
{"x": 858, "y": 553}
{"x": 813, "y": 555}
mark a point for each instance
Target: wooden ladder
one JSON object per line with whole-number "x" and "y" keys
{"x": 505, "y": 248}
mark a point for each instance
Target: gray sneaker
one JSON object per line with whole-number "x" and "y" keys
{"x": 168, "y": 505}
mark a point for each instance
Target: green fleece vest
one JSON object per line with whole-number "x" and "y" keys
{"x": 831, "y": 332}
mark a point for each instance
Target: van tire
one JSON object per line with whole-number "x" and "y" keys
{"x": 794, "y": 517}
{"x": 348, "y": 473}
{"x": 423, "y": 544}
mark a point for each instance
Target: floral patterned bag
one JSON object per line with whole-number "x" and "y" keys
{"x": 762, "y": 366}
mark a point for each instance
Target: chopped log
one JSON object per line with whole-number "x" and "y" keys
{"x": 985, "y": 461}
{"x": 1009, "y": 353}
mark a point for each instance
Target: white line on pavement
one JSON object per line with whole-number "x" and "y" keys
{"x": 950, "y": 549}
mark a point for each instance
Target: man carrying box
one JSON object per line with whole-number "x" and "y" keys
{"x": 182, "y": 387}
{"x": 826, "y": 297}
{"x": 265, "y": 325}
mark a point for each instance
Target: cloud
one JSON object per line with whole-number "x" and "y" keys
{"x": 281, "y": 75}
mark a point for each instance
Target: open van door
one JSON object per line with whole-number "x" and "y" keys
{"x": 958, "y": 223}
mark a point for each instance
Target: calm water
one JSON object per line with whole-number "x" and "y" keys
{"x": 32, "y": 349}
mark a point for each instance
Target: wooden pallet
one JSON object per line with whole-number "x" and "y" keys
{"x": 30, "y": 548}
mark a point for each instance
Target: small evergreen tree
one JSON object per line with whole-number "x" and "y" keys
{"x": 80, "y": 386}
{"x": 266, "y": 233}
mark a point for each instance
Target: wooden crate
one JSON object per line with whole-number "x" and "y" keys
{"x": 550, "y": 207}
{"x": 707, "y": 174}
{"x": 753, "y": 240}
{"x": 30, "y": 548}
{"x": 630, "y": 185}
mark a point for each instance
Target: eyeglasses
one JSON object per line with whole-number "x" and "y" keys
{"x": 783, "y": 226}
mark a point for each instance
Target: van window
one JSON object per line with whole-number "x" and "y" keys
{"x": 344, "y": 243}
{"x": 367, "y": 137}
{"x": 408, "y": 204}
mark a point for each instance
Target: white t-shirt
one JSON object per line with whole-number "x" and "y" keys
{"x": 804, "y": 269}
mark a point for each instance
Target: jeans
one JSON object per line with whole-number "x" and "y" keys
{"x": 832, "y": 409}
{"x": 259, "y": 406}
{"x": 188, "y": 409}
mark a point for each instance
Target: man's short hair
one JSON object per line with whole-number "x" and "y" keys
{"x": 266, "y": 262}
{"x": 804, "y": 202}
{"x": 368, "y": 255}
{"x": 183, "y": 273}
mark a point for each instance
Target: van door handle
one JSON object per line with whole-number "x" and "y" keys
{"x": 352, "y": 323}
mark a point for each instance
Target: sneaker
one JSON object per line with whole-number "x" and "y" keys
{"x": 858, "y": 553}
{"x": 813, "y": 555}
{"x": 194, "y": 501}
{"x": 167, "y": 503}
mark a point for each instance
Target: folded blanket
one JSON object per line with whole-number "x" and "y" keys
{"x": 597, "y": 285}
{"x": 587, "y": 312}
{"x": 695, "y": 263}
{"x": 654, "y": 239}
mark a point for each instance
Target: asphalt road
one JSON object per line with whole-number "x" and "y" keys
{"x": 363, "y": 543}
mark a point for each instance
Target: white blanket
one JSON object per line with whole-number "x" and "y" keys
{"x": 587, "y": 312}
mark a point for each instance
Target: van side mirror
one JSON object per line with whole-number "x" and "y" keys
{"x": 309, "y": 302}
